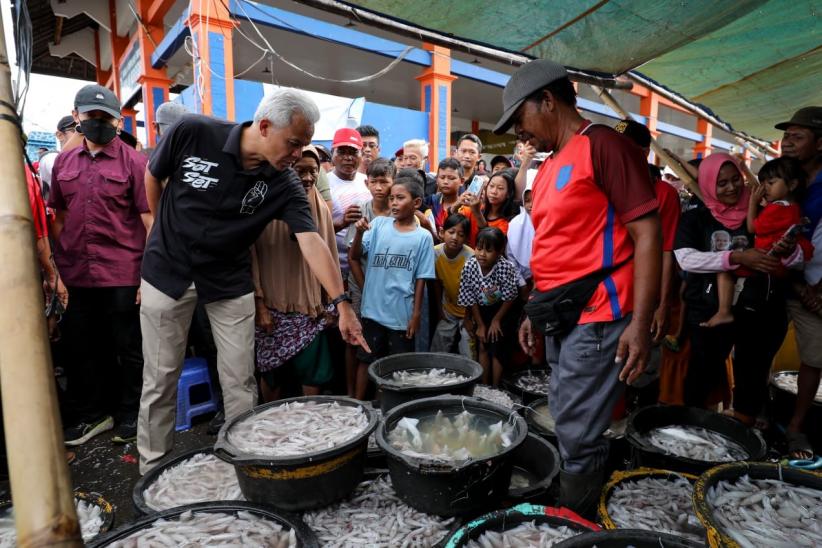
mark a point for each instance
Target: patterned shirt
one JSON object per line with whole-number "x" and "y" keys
{"x": 486, "y": 290}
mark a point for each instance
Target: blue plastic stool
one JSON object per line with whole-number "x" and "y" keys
{"x": 195, "y": 373}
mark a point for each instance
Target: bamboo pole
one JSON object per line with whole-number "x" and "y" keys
{"x": 684, "y": 176}
{"x": 40, "y": 484}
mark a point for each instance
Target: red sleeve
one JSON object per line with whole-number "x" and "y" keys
{"x": 622, "y": 171}
{"x": 38, "y": 208}
{"x": 669, "y": 212}
{"x": 775, "y": 218}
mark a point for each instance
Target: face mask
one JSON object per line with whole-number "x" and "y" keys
{"x": 98, "y": 131}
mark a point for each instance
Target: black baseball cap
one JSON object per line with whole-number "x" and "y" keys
{"x": 809, "y": 117}
{"x": 635, "y": 131}
{"x": 66, "y": 123}
{"x": 529, "y": 78}
{"x": 96, "y": 97}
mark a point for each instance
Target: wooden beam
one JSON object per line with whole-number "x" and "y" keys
{"x": 58, "y": 30}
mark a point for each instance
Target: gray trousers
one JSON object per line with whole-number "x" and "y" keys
{"x": 584, "y": 388}
{"x": 165, "y": 322}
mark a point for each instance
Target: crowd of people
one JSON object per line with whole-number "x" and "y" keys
{"x": 291, "y": 267}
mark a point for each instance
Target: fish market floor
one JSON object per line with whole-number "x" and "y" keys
{"x": 111, "y": 470}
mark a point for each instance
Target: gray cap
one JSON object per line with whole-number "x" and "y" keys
{"x": 529, "y": 78}
{"x": 66, "y": 123}
{"x": 95, "y": 97}
{"x": 809, "y": 117}
{"x": 169, "y": 113}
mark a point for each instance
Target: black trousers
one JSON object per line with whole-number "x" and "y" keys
{"x": 104, "y": 372}
{"x": 755, "y": 337}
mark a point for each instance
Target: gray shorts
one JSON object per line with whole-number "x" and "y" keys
{"x": 450, "y": 332}
{"x": 808, "y": 326}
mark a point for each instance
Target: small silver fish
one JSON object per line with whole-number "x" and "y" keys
{"x": 89, "y": 515}
{"x": 696, "y": 443}
{"x": 536, "y": 382}
{"x": 789, "y": 382}
{"x": 375, "y": 516}
{"x": 494, "y": 395}
{"x": 525, "y": 534}
{"x": 297, "y": 428}
{"x": 426, "y": 377}
{"x": 769, "y": 512}
{"x": 200, "y": 478}
{"x": 211, "y": 529}
{"x": 661, "y": 504}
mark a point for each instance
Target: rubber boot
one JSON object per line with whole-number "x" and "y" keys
{"x": 580, "y": 492}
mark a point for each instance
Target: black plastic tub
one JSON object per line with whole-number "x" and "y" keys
{"x": 305, "y": 536}
{"x": 374, "y": 474}
{"x": 393, "y": 394}
{"x": 717, "y": 536}
{"x": 534, "y": 424}
{"x": 537, "y": 459}
{"x": 447, "y": 489}
{"x": 509, "y": 382}
{"x": 625, "y": 538}
{"x": 299, "y": 482}
{"x": 655, "y": 416}
{"x": 152, "y": 475}
{"x": 502, "y": 520}
{"x": 90, "y": 497}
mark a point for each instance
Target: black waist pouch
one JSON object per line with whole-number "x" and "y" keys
{"x": 556, "y": 312}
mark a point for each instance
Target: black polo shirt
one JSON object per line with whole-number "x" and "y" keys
{"x": 212, "y": 210}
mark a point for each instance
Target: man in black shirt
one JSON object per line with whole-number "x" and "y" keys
{"x": 226, "y": 182}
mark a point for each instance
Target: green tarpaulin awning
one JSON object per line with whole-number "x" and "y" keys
{"x": 752, "y": 62}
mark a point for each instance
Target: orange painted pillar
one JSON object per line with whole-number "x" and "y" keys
{"x": 130, "y": 120}
{"x": 101, "y": 76}
{"x": 154, "y": 83}
{"x": 211, "y": 29}
{"x": 649, "y": 108}
{"x": 704, "y": 148}
{"x": 435, "y": 99}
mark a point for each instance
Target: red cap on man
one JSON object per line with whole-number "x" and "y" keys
{"x": 347, "y": 137}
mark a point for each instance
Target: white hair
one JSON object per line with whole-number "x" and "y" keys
{"x": 417, "y": 143}
{"x": 280, "y": 107}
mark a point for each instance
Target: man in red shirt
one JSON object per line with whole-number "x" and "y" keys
{"x": 101, "y": 221}
{"x": 594, "y": 215}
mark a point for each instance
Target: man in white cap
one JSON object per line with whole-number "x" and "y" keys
{"x": 168, "y": 114}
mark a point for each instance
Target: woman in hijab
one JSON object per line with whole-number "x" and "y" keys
{"x": 291, "y": 305}
{"x": 702, "y": 249}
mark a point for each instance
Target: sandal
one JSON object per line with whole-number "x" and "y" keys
{"x": 799, "y": 447}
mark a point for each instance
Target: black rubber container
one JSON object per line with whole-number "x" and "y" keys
{"x": 733, "y": 471}
{"x": 536, "y": 427}
{"x": 509, "y": 382}
{"x": 501, "y": 520}
{"x": 445, "y": 489}
{"x": 299, "y": 482}
{"x": 90, "y": 497}
{"x": 655, "y": 416}
{"x": 393, "y": 394}
{"x": 305, "y": 536}
{"x": 537, "y": 458}
{"x": 625, "y": 538}
{"x": 151, "y": 476}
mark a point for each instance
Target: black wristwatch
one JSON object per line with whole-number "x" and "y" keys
{"x": 341, "y": 298}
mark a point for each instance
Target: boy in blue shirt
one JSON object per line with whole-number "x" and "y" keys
{"x": 400, "y": 259}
